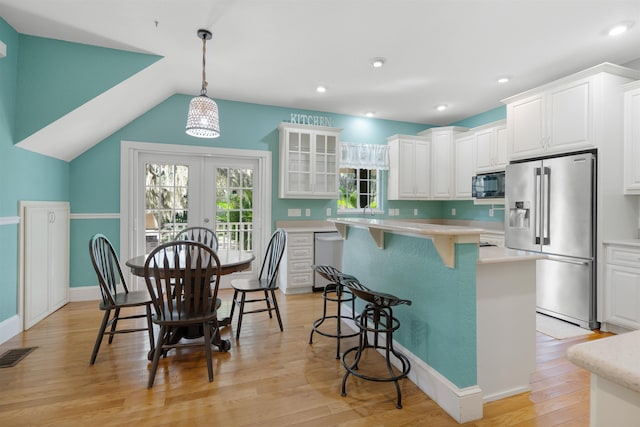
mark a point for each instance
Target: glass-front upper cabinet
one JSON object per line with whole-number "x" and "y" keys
{"x": 309, "y": 167}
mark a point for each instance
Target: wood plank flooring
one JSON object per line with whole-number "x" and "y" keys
{"x": 268, "y": 378}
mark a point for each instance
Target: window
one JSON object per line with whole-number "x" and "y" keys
{"x": 359, "y": 189}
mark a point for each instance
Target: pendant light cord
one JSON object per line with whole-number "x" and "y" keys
{"x": 203, "y": 91}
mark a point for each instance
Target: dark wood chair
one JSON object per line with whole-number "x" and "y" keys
{"x": 178, "y": 275}
{"x": 199, "y": 234}
{"x": 115, "y": 295}
{"x": 264, "y": 285}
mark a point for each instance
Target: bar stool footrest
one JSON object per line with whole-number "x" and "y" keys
{"x": 318, "y": 322}
{"x": 406, "y": 366}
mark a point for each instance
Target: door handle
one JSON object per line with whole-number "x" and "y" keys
{"x": 568, "y": 261}
{"x": 537, "y": 211}
{"x": 546, "y": 182}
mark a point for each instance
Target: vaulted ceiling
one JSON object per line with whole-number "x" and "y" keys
{"x": 276, "y": 52}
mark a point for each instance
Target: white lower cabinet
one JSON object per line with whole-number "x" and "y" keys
{"x": 44, "y": 258}
{"x": 296, "y": 275}
{"x": 622, "y": 286}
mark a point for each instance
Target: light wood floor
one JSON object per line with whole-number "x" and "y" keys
{"x": 268, "y": 378}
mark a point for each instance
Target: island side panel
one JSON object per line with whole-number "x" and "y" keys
{"x": 506, "y": 294}
{"x": 440, "y": 325}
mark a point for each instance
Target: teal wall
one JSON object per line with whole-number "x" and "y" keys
{"x": 439, "y": 325}
{"x": 23, "y": 175}
{"x": 63, "y": 75}
{"x": 74, "y": 74}
{"x": 95, "y": 174}
{"x": 498, "y": 113}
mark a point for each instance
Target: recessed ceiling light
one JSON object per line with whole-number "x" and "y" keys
{"x": 321, "y": 89}
{"x": 503, "y": 79}
{"x": 369, "y": 114}
{"x": 619, "y": 28}
{"x": 377, "y": 62}
{"x": 441, "y": 107}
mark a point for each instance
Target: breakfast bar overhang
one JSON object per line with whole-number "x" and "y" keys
{"x": 470, "y": 332}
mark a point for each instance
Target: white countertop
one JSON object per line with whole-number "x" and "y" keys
{"x": 497, "y": 254}
{"x": 413, "y": 227}
{"x": 615, "y": 358}
{"x": 304, "y": 226}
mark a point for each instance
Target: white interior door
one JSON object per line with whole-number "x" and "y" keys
{"x": 229, "y": 193}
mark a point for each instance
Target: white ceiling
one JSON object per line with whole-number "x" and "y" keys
{"x": 276, "y": 52}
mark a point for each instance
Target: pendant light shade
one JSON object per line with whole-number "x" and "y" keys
{"x": 202, "y": 119}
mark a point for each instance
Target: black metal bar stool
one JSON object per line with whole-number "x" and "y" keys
{"x": 334, "y": 292}
{"x": 376, "y": 318}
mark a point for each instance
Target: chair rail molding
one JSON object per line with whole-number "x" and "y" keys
{"x": 95, "y": 216}
{"x": 9, "y": 220}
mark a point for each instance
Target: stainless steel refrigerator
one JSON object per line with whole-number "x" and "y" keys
{"x": 551, "y": 209}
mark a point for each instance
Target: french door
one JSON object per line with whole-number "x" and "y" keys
{"x": 172, "y": 191}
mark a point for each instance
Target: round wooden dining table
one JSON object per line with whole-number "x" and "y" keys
{"x": 231, "y": 261}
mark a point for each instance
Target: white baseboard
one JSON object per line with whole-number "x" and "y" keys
{"x": 462, "y": 404}
{"x": 10, "y": 328}
{"x": 13, "y": 325}
{"x": 84, "y": 293}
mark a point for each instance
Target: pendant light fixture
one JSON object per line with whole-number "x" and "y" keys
{"x": 202, "y": 119}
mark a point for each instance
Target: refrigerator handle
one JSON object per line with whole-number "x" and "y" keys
{"x": 546, "y": 182}
{"x": 537, "y": 208}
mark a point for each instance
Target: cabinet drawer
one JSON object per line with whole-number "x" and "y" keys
{"x": 300, "y": 266}
{"x": 300, "y": 239}
{"x": 299, "y": 280}
{"x": 623, "y": 256}
{"x": 301, "y": 253}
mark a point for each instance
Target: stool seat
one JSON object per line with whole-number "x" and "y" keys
{"x": 333, "y": 292}
{"x": 376, "y": 318}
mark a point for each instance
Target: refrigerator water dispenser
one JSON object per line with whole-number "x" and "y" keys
{"x": 519, "y": 214}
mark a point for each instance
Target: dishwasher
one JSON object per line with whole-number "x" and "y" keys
{"x": 327, "y": 251}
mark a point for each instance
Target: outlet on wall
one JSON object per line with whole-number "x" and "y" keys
{"x": 491, "y": 212}
{"x": 307, "y": 212}
{"x": 328, "y": 211}
{"x": 453, "y": 211}
{"x": 415, "y": 212}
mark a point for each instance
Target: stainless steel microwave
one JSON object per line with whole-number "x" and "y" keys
{"x": 488, "y": 185}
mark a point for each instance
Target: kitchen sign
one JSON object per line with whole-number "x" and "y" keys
{"x": 304, "y": 119}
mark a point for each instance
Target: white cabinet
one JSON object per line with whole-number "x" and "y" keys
{"x": 490, "y": 147}
{"x": 44, "y": 258}
{"x": 632, "y": 138}
{"x": 622, "y": 286}
{"x": 409, "y": 168}
{"x": 309, "y": 162}
{"x": 296, "y": 275}
{"x": 555, "y": 120}
{"x": 464, "y": 164}
{"x": 442, "y": 160}
{"x": 569, "y": 114}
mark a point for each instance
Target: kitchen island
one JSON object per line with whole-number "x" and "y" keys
{"x": 615, "y": 378}
{"x": 470, "y": 332}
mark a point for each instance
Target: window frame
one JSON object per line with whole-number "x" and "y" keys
{"x": 360, "y": 210}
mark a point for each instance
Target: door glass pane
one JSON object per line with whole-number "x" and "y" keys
{"x": 166, "y": 202}
{"x": 234, "y": 208}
